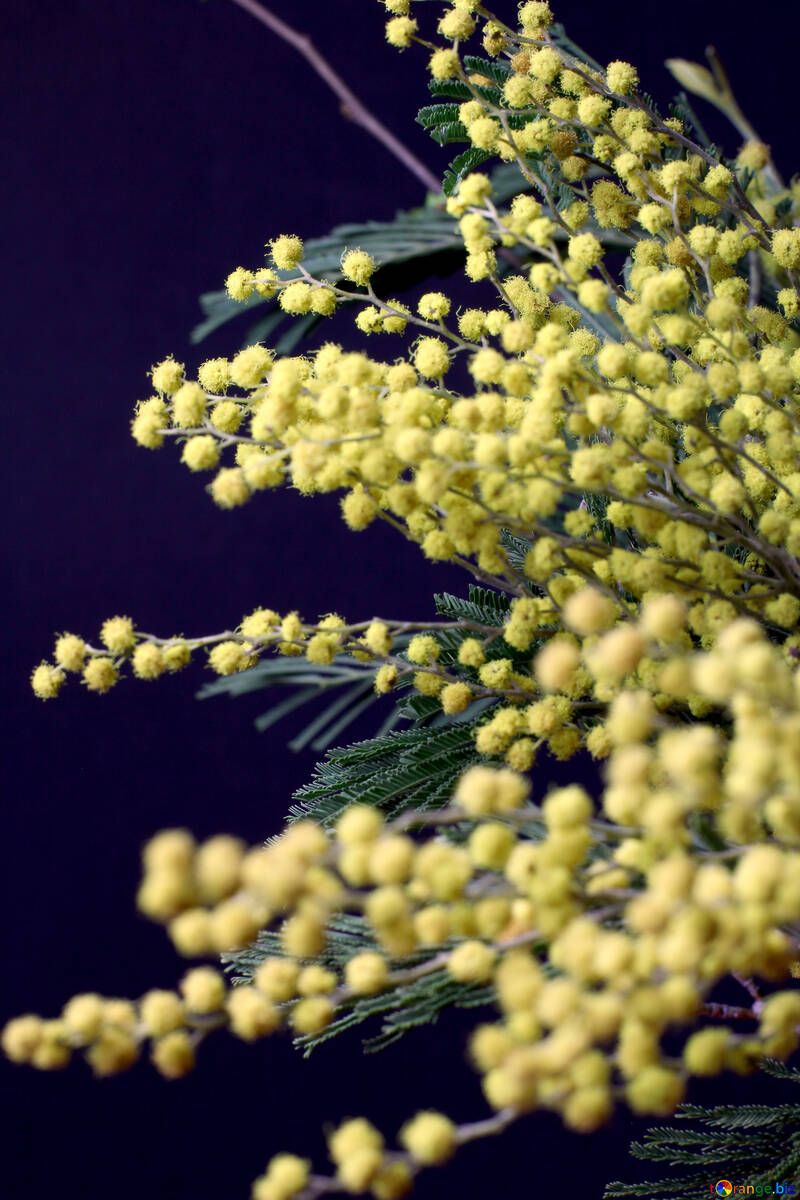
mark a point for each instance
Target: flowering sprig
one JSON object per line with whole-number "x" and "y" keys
{"x": 579, "y": 1028}
{"x": 622, "y": 460}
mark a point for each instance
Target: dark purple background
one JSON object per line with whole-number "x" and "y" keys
{"x": 148, "y": 148}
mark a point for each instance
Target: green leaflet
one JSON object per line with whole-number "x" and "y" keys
{"x": 516, "y": 549}
{"x": 400, "y": 1008}
{"x": 454, "y": 89}
{"x": 769, "y": 1151}
{"x": 415, "y": 768}
{"x": 461, "y": 166}
{"x": 495, "y": 69}
{"x": 482, "y": 606}
{"x": 449, "y": 87}
{"x": 453, "y": 131}
{"x": 350, "y": 682}
{"x": 437, "y": 114}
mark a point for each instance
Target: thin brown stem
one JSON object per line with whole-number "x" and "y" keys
{"x": 727, "y": 1012}
{"x": 351, "y": 106}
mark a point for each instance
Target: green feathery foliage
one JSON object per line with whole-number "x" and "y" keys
{"x": 759, "y": 1143}
{"x": 404, "y": 1007}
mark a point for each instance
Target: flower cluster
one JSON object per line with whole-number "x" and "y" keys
{"x": 624, "y": 464}
{"x": 599, "y": 937}
{"x": 671, "y": 393}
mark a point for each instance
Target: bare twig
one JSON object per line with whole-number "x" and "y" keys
{"x": 735, "y": 115}
{"x": 727, "y": 1012}
{"x": 352, "y": 107}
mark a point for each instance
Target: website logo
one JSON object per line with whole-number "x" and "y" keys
{"x": 724, "y": 1187}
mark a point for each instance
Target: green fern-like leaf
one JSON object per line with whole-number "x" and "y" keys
{"x": 482, "y": 606}
{"x": 780, "y": 1070}
{"x": 437, "y": 114}
{"x": 461, "y": 166}
{"x": 350, "y": 682}
{"x": 411, "y": 769}
{"x": 768, "y": 1151}
{"x": 453, "y": 131}
{"x": 495, "y": 69}
{"x": 450, "y": 88}
{"x": 399, "y": 1009}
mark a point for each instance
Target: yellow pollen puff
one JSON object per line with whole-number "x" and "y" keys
{"x": 655, "y": 1091}
{"x": 214, "y": 375}
{"x": 191, "y": 933}
{"x": 201, "y": 452}
{"x": 706, "y": 1052}
{"x": 315, "y": 980}
{"x": 147, "y": 661}
{"x": 358, "y": 266}
{"x": 444, "y": 64}
{"x": 162, "y": 1012}
{"x": 229, "y": 488}
{"x": 567, "y": 807}
{"x": 484, "y": 790}
{"x": 490, "y": 845}
{"x": 226, "y": 416}
{"x": 663, "y": 617}
{"x": 621, "y": 77}
{"x": 786, "y": 248}
{"x": 400, "y": 31}
{"x": 617, "y": 653}
{"x": 431, "y": 358}
{"x": 239, "y": 284}
{"x": 100, "y": 674}
{"x": 359, "y": 823}
{"x": 173, "y": 1054}
{"x": 385, "y": 678}
{"x": 367, "y": 973}
{"x": 277, "y": 979}
{"x": 358, "y": 509}
{"x": 535, "y": 14}
{"x": 251, "y": 1014}
{"x": 311, "y": 1015}
{"x": 470, "y": 653}
{"x": 472, "y": 962}
{"x": 117, "y": 635}
{"x": 176, "y": 655}
{"x": 430, "y": 1138}
{"x": 456, "y": 25}
{"x": 589, "y": 611}
{"x": 46, "y": 680}
{"x": 21, "y": 1037}
{"x": 228, "y": 657}
{"x": 188, "y": 405}
{"x": 423, "y": 649}
{"x": 233, "y": 925}
{"x": 455, "y": 697}
{"x": 167, "y": 376}
{"x": 286, "y": 251}
{"x": 556, "y": 663}
{"x": 83, "y": 1016}
{"x": 70, "y": 652}
{"x": 147, "y": 429}
{"x": 286, "y": 1176}
{"x": 378, "y": 638}
{"x": 203, "y": 990}
{"x": 260, "y": 624}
